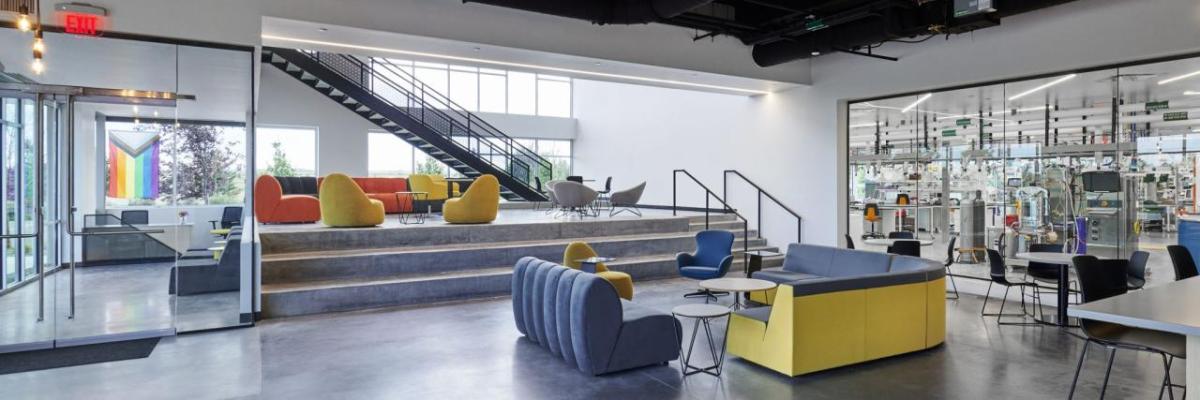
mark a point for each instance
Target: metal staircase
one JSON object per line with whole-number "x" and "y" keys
{"x": 396, "y": 101}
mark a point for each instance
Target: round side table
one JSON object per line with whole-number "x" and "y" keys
{"x": 703, "y": 314}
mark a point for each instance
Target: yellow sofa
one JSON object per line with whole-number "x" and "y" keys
{"x": 478, "y": 206}
{"x": 344, "y": 204}
{"x": 579, "y": 250}
{"x": 840, "y": 314}
{"x": 436, "y": 185}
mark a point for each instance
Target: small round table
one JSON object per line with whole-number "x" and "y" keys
{"x": 889, "y": 242}
{"x": 413, "y": 215}
{"x": 702, "y": 313}
{"x": 736, "y": 285}
{"x": 589, "y": 264}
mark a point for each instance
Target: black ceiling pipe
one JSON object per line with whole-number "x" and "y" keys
{"x": 850, "y": 35}
{"x": 624, "y": 12}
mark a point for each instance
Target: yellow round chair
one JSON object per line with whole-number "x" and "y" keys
{"x": 345, "y": 205}
{"x": 478, "y": 205}
{"x": 620, "y": 280}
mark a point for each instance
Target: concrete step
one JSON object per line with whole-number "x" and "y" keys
{"x": 369, "y": 263}
{"x": 302, "y": 298}
{"x": 734, "y": 225}
{"x": 285, "y": 239}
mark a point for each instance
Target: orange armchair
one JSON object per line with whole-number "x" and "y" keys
{"x": 271, "y": 206}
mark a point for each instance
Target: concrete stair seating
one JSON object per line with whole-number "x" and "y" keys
{"x": 343, "y": 279}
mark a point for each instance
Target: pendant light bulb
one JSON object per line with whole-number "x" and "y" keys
{"x": 39, "y": 45}
{"x": 37, "y": 66}
{"x": 23, "y": 22}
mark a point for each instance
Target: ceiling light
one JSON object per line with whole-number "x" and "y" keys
{"x": 23, "y": 22}
{"x": 920, "y": 100}
{"x": 323, "y": 29}
{"x": 1028, "y": 109}
{"x": 37, "y": 66}
{"x": 1046, "y": 85}
{"x": 1191, "y": 93}
{"x": 1181, "y": 77}
{"x": 518, "y": 65}
{"x": 870, "y": 125}
{"x": 816, "y": 53}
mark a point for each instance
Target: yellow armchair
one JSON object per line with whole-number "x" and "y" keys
{"x": 432, "y": 184}
{"x": 439, "y": 180}
{"x": 344, "y": 204}
{"x": 478, "y": 206}
{"x": 580, "y": 250}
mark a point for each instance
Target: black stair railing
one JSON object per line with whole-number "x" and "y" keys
{"x": 763, "y": 194}
{"x": 708, "y": 195}
{"x": 392, "y": 85}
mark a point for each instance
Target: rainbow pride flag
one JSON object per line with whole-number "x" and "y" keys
{"x": 133, "y": 164}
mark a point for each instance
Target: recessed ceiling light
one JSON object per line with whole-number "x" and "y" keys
{"x": 816, "y": 53}
{"x": 323, "y": 29}
{"x": 920, "y": 100}
{"x": 518, "y": 65}
{"x": 1181, "y": 77}
{"x": 1043, "y": 86}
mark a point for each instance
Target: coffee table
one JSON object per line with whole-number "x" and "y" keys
{"x": 702, "y": 313}
{"x": 737, "y": 285}
{"x": 413, "y": 216}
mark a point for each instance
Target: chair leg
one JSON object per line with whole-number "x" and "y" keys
{"x": 953, "y": 286}
{"x": 983, "y": 310}
{"x": 1002, "y": 301}
{"x": 1078, "y": 368}
{"x": 1112, "y": 355}
{"x": 1166, "y": 379}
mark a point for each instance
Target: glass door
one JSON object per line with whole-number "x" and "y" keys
{"x": 27, "y": 286}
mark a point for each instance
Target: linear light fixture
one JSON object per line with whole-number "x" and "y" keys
{"x": 1043, "y": 86}
{"x": 920, "y": 100}
{"x": 870, "y": 125}
{"x": 1181, "y": 77}
{"x": 517, "y": 65}
{"x": 1028, "y": 109}
{"x": 1191, "y": 93}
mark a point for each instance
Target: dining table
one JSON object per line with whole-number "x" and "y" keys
{"x": 1063, "y": 261}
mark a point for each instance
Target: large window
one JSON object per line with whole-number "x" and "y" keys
{"x": 477, "y": 89}
{"x": 152, "y": 162}
{"x": 285, "y": 151}
{"x": 390, "y": 156}
{"x": 557, "y": 152}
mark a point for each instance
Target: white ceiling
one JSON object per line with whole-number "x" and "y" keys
{"x": 301, "y": 34}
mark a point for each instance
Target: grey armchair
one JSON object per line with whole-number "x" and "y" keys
{"x": 627, "y": 200}
{"x": 549, "y": 188}
{"x": 574, "y": 197}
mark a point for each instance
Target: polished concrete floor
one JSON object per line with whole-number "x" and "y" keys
{"x": 110, "y": 300}
{"x": 473, "y": 350}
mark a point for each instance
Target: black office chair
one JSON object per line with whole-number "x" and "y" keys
{"x": 1101, "y": 279}
{"x": 575, "y": 178}
{"x": 537, "y": 186}
{"x": 603, "y": 199}
{"x": 898, "y": 235}
{"x": 1181, "y": 259}
{"x": 230, "y": 217}
{"x": 135, "y": 217}
{"x": 906, "y": 248}
{"x": 849, "y": 242}
{"x": 1047, "y": 273}
{"x": 999, "y": 275}
{"x": 949, "y": 262}
{"x": 1135, "y": 276}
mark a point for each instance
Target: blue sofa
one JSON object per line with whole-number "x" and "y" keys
{"x": 579, "y": 317}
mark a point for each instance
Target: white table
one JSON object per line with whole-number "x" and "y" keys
{"x": 889, "y": 242}
{"x": 1063, "y": 260}
{"x": 735, "y": 286}
{"x": 702, "y": 313}
{"x": 1168, "y": 308}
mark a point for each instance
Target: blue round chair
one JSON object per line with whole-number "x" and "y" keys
{"x": 712, "y": 259}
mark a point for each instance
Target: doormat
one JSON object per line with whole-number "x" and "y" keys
{"x": 11, "y": 363}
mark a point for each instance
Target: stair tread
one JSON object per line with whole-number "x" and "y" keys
{"x": 469, "y": 246}
{"x": 286, "y": 287}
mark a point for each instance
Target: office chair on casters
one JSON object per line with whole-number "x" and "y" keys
{"x": 712, "y": 259}
{"x": 871, "y": 214}
{"x": 999, "y": 276}
{"x": 1101, "y": 279}
{"x": 902, "y": 199}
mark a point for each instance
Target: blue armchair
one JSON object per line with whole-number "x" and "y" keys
{"x": 713, "y": 257}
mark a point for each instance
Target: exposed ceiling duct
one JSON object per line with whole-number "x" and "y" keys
{"x": 782, "y": 30}
{"x": 604, "y": 11}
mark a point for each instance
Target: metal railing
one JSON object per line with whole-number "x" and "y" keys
{"x": 404, "y": 92}
{"x": 708, "y": 195}
{"x": 763, "y": 193}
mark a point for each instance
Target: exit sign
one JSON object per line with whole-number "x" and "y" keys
{"x": 81, "y": 24}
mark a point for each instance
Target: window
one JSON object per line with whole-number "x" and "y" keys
{"x": 553, "y": 96}
{"x": 392, "y": 79}
{"x": 161, "y": 163}
{"x": 281, "y": 151}
{"x": 493, "y": 91}
{"x": 558, "y": 153}
{"x": 388, "y": 155}
{"x": 464, "y": 87}
{"x": 435, "y": 77}
{"x": 522, "y": 93}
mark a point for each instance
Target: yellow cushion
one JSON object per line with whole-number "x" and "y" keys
{"x": 219, "y": 232}
{"x": 430, "y": 184}
{"x": 579, "y": 250}
{"x": 344, "y": 204}
{"x": 478, "y": 206}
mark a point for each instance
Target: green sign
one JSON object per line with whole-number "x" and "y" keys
{"x": 1157, "y": 105}
{"x": 815, "y": 25}
{"x": 949, "y": 133}
{"x": 1175, "y": 116}
{"x": 962, "y": 121}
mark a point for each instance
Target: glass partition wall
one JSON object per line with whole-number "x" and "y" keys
{"x": 1098, "y": 162}
{"x": 120, "y": 162}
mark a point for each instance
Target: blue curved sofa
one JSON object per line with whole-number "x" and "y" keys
{"x": 579, "y": 317}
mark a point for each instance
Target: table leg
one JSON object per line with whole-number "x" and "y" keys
{"x": 1192, "y": 375}
{"x": 1064, "y": 287}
